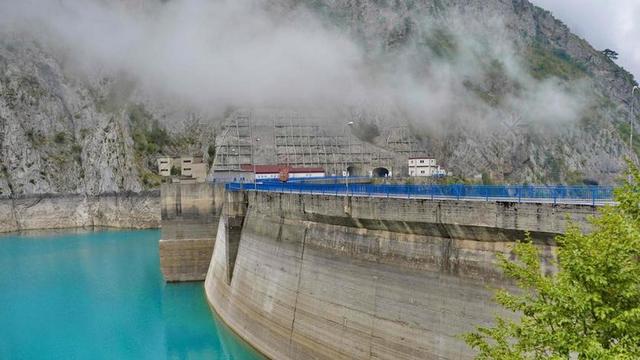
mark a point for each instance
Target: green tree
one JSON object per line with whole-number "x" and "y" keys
{"x": 589, "y": 308}
{"x": 610, "y": 54}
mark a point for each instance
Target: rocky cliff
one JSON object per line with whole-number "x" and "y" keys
{"x": 498, "y": 57}
{"x": 510, "y": 93}
{"x": 121, "y": 210}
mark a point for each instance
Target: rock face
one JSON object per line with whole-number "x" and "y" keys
{"x": 511, "y": 139}
{"x": 121, "y": 210}
{"x": 53, "y": 138}
{"x": 64, "y": 133}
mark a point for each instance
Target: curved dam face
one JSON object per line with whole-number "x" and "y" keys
{"x": 323, "y": 277}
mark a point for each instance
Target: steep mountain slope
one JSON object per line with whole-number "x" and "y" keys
{"x": 63, "y": 133}
{"x": 497, "y": 87}
{"x": 507, "y": 51}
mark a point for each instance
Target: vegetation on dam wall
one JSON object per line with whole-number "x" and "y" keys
{"x": 589, "y": 307}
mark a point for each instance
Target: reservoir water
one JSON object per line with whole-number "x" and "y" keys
{"x": 100, "y": 295}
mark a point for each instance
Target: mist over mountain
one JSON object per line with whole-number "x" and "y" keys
{"x": 91, "y": 91}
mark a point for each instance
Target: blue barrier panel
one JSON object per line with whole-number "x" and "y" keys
{"x": 512, "y": 193}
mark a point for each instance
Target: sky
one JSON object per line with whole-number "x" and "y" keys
{"x": 613, "y": 24}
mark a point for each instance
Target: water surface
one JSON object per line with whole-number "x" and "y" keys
{"x": 100, "y": 295}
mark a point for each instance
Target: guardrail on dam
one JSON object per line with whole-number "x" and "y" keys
{"x": 311, "y": 276}
{"x": 556, "y": 194}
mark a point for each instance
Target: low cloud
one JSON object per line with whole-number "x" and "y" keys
{"x": 212, "y": 54}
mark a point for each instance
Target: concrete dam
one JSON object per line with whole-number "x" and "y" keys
{"x": 302, "y": 276}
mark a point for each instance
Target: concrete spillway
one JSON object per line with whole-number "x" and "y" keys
{"x": 323, "y": 277}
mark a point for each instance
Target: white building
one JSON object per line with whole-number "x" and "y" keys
{"x": 425, "y": 167}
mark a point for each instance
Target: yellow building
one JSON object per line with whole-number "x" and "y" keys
{"x": 164, "y": 166}
{"x": 191, "y": 167}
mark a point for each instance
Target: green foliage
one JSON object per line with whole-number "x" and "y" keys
{"x": 36, "y": 138}
{"x": 545, "y": 63}
{"x": 612, "y": 55}
{"x": 76, "y": 150}
{"x": 486, "y": 179}
{"x": 554, "y": 166}
{"x": 441, "y": 42}
{"x": 149, "y": 139}
{"x": 624, "y": 129}
{"x": 151, "y": 180}
{"x": 574, "y": 177}
{"x": 589, "y": 308}
{"x": 60, "y": 138}
{"x": 148, "y": 136}
{"x": 211, "y": 152}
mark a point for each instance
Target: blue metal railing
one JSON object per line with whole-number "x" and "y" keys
{"x": 513, "y": 193}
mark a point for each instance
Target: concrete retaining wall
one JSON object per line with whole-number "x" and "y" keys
{"x": 190, "y": 214}
{"x": 321, "y": 277}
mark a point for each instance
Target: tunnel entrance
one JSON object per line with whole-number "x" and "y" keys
{"x": 380, "y": 172}
{"x": 351, "y": 171}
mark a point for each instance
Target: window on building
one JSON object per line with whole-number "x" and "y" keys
{"x": 187, "y": 169}
{"x": 421, "y": 161}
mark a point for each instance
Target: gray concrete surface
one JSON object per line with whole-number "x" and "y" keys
{"x": 325, "y": 277}
{"x": 190, "y": 214}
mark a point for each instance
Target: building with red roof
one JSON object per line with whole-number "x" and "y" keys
{"x": 264, "y": 172}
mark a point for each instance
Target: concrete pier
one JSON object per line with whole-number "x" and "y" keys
{"x": 323, "y": 277}
{"x": 190, "y": 214}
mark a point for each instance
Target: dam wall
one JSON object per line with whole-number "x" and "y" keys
{"x": 190, "y": 214}
{"x": 53, "y": 211}
{"x": 324, "y": 277}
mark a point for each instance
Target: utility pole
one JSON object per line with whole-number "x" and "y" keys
{"x": 349, "y": 124}
{"x": 253, "y": 160}
{"x": 633, "y": 93}
{"x": 632, "y": 118}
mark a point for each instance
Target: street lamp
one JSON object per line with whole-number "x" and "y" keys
{"x": 350, "y": 124}
{"x": 253, "y": 160}
{"x": 631, "y": 119}
{"x": 633, "y": 93}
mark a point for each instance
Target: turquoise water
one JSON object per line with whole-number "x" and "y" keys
{"x": 100, "y": 295}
